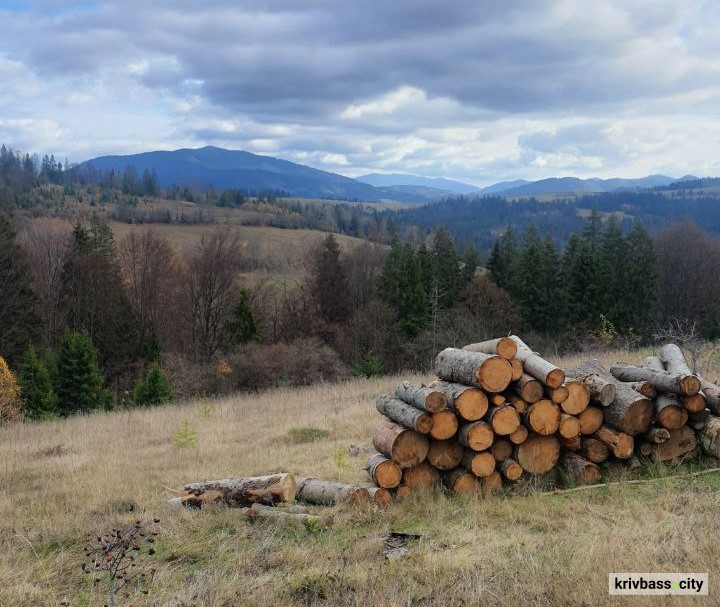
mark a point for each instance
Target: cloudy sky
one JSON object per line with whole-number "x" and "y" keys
{"x": 479, "y": 91}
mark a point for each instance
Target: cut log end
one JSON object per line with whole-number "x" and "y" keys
{"x": 538, "y": 453}
{"x": 569, "y": 426}
{"x": 472, "y": 404}
{"x": 578, "y": 398}
{"x": 543, "y": 417}
{"x": 478, "y": 436}
{"x": 443, "y": 425}
{"x": 555, "y": 378}
{"x": 495, "y": 374}
{"x": 590, "y": 420}
{"x": 445, "y": 454}
{"x": 511, "y": 470}
{"x": 504, "y": 420}
{"x": 480, "y": 464}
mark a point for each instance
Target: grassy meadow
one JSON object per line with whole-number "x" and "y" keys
{"x": 63, "y": 479}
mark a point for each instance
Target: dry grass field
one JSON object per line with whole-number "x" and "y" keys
{"x": 62, "y": 479}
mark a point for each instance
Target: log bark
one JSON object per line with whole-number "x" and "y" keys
{"x": 694, "y": 403}
{"x": 469, "y": 403}
{"x": 404, "y": 414}
{"x": 629, "y": 411}
{"x": 538, "y": 453}
{"x": 654, "y": 363}
{"x": 503, "y": 420}
{"x": 477, "y": 436}
{"x": 519, "y": 436}
{"x": 501, "y": 449}
{"x": 242, "y": 492}
{"x": 538, "y": 367}
{"x": 460, "y": 482}
{"x": 404, "y": 446}
{"x": 329, "y": 493}
{"x": 486, "y": 371}
{"x": 421, "y": 397}
{"x": 569, "y": 426}
{"x": 492, "y": 483}
{"x": 570, "y": 444}
{"x": 422, "y": 476}
{"x": 543, "y": 417}
{"x": 594, "y": 450}
{"x": 698, "y": 420}
{"x": 528, "y": 388}
{"x": 445, "y": 454}
{"x": 504, "y": 347}
{"x": 282, "y": 516}
{"x": 380, "y": 495}
{"x": 670, "y": 414}
{"x": 578, "y": 397}
{"x": 517, "y": 369}
{"x": 644, "y": 387}
{"x": 580, "y": 470}
{"x": 674, "y": 360}
{"x": 712, "y": 395}
{"x": 383, "y": 471}
{"x": 620, "y": 444}
{"x": 557, "y": 395}
{"x": 511, "y": 470}
{"x": 681, "y": 445}
{"x": 656, "y": 435}
{"x": 710, "y": 436}
{"x": 602, "y": 391}
{"x": 480, "y": 464}
{"x": 444, "y": 425}
{"x": 590, "y": 420}
{"x": 518, "y": 403}
{"x": 685, "y": 385}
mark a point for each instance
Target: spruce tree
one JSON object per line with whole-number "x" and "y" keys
{"x": 642, "y": 280}
{"x": 36, "y": 385}
{"x": 241, "y": 327}
{"x": 447, "y": 269}
{"x": 614, "y": 275}
{"x": 79, "y": 381}
{"x": 152, "y": 388}
{"x": 401, "y": 287}
{"x": 502, "y": 262}
{"x": 331, "y": 285}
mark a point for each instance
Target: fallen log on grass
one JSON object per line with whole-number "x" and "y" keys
{"x": 460, "y": 482}
{"x": 383, "y": 471}
{"x": 579, "y": 469}
{"x": 242, "y": 492}
{"x": 259, "y": 512}
{"x": 329, "y": 493}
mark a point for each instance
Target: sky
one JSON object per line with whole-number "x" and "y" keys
{"x": 477, "y": 91}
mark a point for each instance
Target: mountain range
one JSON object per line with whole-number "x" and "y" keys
{"x": 226, "y": 169}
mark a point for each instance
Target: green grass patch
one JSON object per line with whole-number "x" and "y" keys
{"x": 307, "y": 434}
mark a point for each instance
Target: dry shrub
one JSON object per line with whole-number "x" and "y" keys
{"x": 10, "y": 405}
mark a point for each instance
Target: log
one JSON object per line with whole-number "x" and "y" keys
{"x": 654, "y": 363}
{"x": 504, "y": 347}
{"x": 569, "y": 426}
{"x": 293, "y": 508}
{"x": 698, "y": 420}
{"x": 670, "y": 414}
{"x": 538, "y": 367}
{"x": 629, "y": 411}
{"x": 695, "y": 403}
{"x": 403, "y": 492}
{"x": 329, "y": 493}
{"x": 517, "y": 369}
{"x": 674, "y": 360}
{"x": 445, "y": 454}
{"x": 557, "y": 395}
{"x": 602, "y": 391}
{"x": 681, "y": 445}
{"x": 710, "y": 436}
{"x": 620, "y": 444}
{"x": 383, "y": 471}
{"x": 422, "y": 476}
{"x": 569, "y": 444}
{"x": 480, "y": 464}
{"x": 590, "y": 420}
{"x": 380, "y": 495}
{"x": 444, "y": 425}
{"x": 543, "y": 417}
{"x": 712, "y": 395}
{"x": 469, "y": 403}
{"x": 528, "y": 388}
{"x": 501, "y": 449}
{"x": 511, "y": 470}
{"x": 519, "y": 436}
{"x": 282, "y": 516}
{"x": 460, "y": 482}
{"x": 538, "y": 453}
{"x": 594, "y": 450}
{"x": 656, "y": 435}
{"x": 503, "y": 420}
{"x": 492, "y": 483}
{"x": 580, "y": 470}
{"x": 645, "y": 449}
{"x": 518, "y": 403}
{"x": 402, "y": 413}
{"x": 497, "y": 400}
{"x": 685, "y": 385}
{"x": 404, "y": 446}
{"x": 578, "y": 397}
{"x": 242, "y": 492}
{"x": 477, "y": 436}
{"x": 486, "y": 371}
{"x": 421, "y": 397}
{"x": 644, "y": 387}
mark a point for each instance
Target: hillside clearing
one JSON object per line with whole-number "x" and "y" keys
{"x": 66, "y": 478}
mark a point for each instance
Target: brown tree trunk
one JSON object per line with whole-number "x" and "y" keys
{"x": 698, "y": 420}
{"x": 620, "y": 444}
{"x": 590, "y": 420}
{"x": 504, "y": 347}
{"x": 421, "y": 397}
{"x": 670, "y": 414}
{"x": 504, "y": 420}
{"x": 469, "y": 403}
{"x": 444, "y": 425}
{"x": 402, "y": 413}
{"x": 329, "y": 493}
{"x": 380, "y": 495}
{"x": 681, "y": 445}
{"x": 602, "y": 391}
{"x": 538, "y": 367}
{"x": 519, "y": 436}
{"x": 518, "y": 403}
{"x": 594, "y": 450}
{"x": 543, "y": 417}
{"x": 486, "y": 371}
{"x": 578, "y": 397}
{"x": 685, "y": 385}
{"x": 644, "y": 387}
{"x": 529, "y": 389}
{"x": 445, "y": 454}
{"x": 477, "y": 436}
{"x": 480, "y": 464}
{"x": 570, "y": 444}
{"x": 569, "y": 426}
{"x": 460, "y": 482}
{"x": 402, "y": 445}
{"x": 492, "y": 483}
{"x": 383, "y": 471}
{"x": 241, "y": 492}
{"x": 656, "y": 435}
{"x": 422, "y": 476}
{"x": 517, "y": 369}
{"x": 694, "y": 403}
{"x": 580, "y": 470}
{"x": 538, "y": 453}
{"x": 501, "y": 449}
{"x": 557, "y": 395}
{"x": 511, "y": 470}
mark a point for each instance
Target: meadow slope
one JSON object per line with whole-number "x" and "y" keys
{"x": 63, "y": 479}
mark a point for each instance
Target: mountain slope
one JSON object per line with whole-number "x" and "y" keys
{"x": 574, "y": 185}
{"x": 436, "y": 183}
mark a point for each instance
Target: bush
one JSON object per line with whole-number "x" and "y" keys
{"x": 152, "y": 388}
{"x": 79, "y": 383}
{"x": 38, "y": 393}
{"x": 369, "y": 365}
{"x": 10, "y": 403}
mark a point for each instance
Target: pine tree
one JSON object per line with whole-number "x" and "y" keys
{"x": 152, "y": 388}
{"x": 241, "y": 327}
{"x": 613, "y": 276}
{"x": 38, "y": 393}
{"x": 331, "y": 285}
{"x": 447, "y": 270}
{"x": 502, "y": 262}
{"x": 79, "y": 381}
{"x": 10, "y": 403}
{"x": 642, "y": 280}
{"x": 401, "y": 287}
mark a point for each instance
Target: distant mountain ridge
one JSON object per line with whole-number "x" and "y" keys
{"x": 436, "y": 183}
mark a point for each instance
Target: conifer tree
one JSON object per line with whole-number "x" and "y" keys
{"x": 241, "y": 327}
{"x": 447, "y": 270}
{"x": 642, "y": 280}
{"x": 332, "y": 288}
{"x": 38, "y": 393}
{"x": 152, "y": 388}
{"x": 502, "y": 262}
{"x": 401, "y": 287}
{"x": 79, "y": 381}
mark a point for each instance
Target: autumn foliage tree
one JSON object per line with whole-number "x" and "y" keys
{"x": 10, "y": 403}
